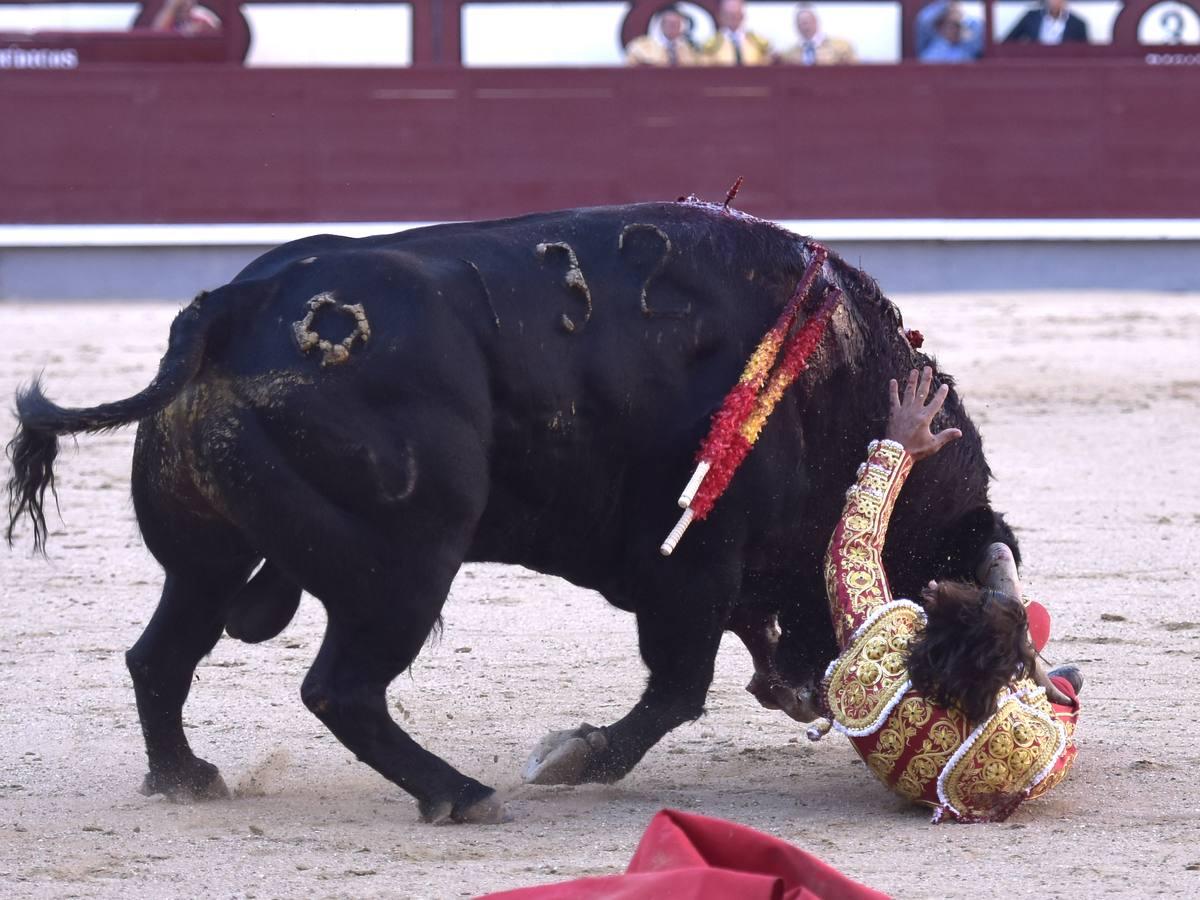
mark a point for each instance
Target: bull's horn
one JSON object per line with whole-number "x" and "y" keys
{"x": 998, "y": 571}
{"x": 668, "y": 546}
{"x": 693, "y": 485}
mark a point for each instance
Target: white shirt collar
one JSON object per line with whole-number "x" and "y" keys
{"x": 1052, "y": 29}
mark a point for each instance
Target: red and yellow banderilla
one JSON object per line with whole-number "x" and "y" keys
{"x": 737, "y": 424}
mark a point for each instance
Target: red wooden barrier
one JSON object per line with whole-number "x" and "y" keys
{"x": 226, "y": 144}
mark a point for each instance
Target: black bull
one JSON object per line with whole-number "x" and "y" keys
{"x": 366, "y": 415}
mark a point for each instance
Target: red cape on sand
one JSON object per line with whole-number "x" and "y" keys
{"x": 688, "y": 857}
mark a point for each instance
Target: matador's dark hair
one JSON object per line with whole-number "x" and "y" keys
{"x": 975, "y": 641}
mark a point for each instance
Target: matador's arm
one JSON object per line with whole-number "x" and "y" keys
{"x": 855, "y": 581}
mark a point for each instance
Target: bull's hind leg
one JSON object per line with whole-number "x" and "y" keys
{"x": 379, "y": 545}
{"x": 184, "y": 628}
{"x": 378, "y": 622}
{"x": 346, "y": 689}
{"x": 206, "y": 562}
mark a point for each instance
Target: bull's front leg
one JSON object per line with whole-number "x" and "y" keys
{"x": 679, "y": 633}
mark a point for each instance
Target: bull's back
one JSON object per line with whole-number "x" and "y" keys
{"x": 587, "y": 349}
{"x": 629, "y": 320}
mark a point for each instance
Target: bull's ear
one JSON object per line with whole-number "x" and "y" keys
{"x": 965, "y": 541}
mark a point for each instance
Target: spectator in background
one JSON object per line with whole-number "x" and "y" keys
{"x": 816, "y": 48}
{"x": 186, "y": 18}
{"x": 669, "y": 42}
{"x": 1051, "y": 23}
{"x": 733, "y": 45}
{"x": 946, "y": 35}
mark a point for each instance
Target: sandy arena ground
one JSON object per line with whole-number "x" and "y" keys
{"x": 1090, "y": 405}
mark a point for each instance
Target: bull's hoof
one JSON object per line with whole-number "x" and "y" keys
{"x": 194, "y": 782}
{"x": 565, "y": 757}
{"x": 486, "y": 810}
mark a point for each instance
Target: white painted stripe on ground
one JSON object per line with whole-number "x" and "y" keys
{"x": 942, "y": 230}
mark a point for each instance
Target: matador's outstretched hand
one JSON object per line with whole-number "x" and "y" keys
{"x": 910, "y": 418}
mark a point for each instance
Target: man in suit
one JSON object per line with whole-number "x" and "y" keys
{"x": 669, "y": 42}
{"x": 815, "y": 48}
{"x": 733, "y": 45}
{"x": 1052, "y": 23}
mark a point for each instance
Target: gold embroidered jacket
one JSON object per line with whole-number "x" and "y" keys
{"x": 648, "y": 50}
{"x": 923, "y": 752}
{"x": 755, "y": 50}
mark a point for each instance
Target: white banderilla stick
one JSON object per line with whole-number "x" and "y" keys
{"x": 668, "y": 546}
{"x": 693, "y": 485}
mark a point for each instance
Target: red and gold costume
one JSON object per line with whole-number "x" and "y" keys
{"x": 921, "y": 751}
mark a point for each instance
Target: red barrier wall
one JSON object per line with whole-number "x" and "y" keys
{"x": 227, "y": 144}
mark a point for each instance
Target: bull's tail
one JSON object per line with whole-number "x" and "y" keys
{"x": 40, "y": 421}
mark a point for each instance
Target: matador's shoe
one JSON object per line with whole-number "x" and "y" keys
{"x": 1071, "y": 674}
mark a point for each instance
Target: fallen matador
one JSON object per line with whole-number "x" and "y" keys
{"x": 940, "y": 701}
